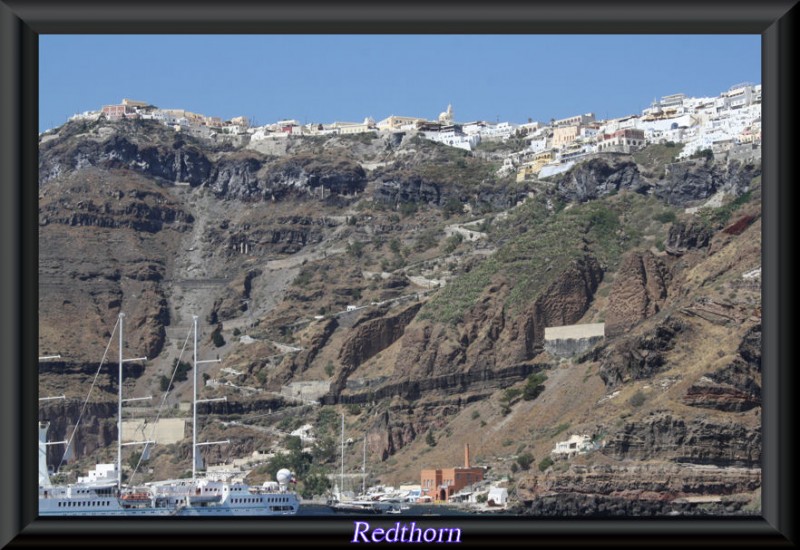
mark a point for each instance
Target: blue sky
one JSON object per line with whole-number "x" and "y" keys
{"x": 327, "y": 78}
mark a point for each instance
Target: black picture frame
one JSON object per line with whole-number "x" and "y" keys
{"x": 22, "y": 22}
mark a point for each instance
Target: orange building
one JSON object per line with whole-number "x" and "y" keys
{"x": 441, "y": 484}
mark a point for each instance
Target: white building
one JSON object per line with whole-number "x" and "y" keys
{"x": 537, "y": 144}
{"x": 454, "y": 137}
{"x": 576, "y": 444}
{"x": 497, "y": 496}
{"x": 500, "y": 131}
{"x": 101, "y": 473}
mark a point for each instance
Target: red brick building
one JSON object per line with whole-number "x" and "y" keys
{"x": 441, "y": 484}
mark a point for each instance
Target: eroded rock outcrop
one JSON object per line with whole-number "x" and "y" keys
{"x": 695, "y": 180}
{"x": 599, "y": 177}
{"x": 489, "y": 336}
{"x": 374, "y": 336}
{"x": 687, "y": 236}
{"x": 638, "y": 292}
{"x": 637, "y": 357}
{"x": 666, "y": 436}
{"x": 735, "y": 387}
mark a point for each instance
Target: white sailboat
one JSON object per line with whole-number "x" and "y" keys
{"x": 102, "y": 492}
{"x": 358, "y": 505}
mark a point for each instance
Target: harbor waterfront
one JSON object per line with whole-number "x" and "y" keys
{"x": 320, "y": 509}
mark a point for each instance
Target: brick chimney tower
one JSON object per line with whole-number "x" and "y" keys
{"x": 466, "y": 455}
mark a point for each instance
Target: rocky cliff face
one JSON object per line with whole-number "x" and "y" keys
{"x": 103, "y": 239}
{"x": 694, "y": 180}
{"x": 251, "y": 178}
{"x": 97, "y": 430}
{"x": 372, "y": 337}
{"x": 489, "y": 337}
{"x": 735, "y": 387}
{"x": 653, "y": 489}
{"x": 684, "y": 237}
{"x": 637, "y": 293}
{"x": 698, "y": 441}
{"x": 639, "y": 356}
{"x": 236, "y": 175}
{"x": 174, "y": 162}
{"x": 684, "y": 182}
{"x": 597, "y": 178}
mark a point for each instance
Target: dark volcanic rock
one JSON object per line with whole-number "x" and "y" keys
{"x": 688, "y": 236}
{"x": 638, "y": 357}
{"x": 736, "y": 387}
{"x": 664, "y": 436}
{"x": 186, "y": 164}
{"x": 695, "y": 180}
{"x": 237, "y": 178}
{"x": 589, "y": 505}
{"x": 597, "y": 178}
{"x": 408, "y": 189}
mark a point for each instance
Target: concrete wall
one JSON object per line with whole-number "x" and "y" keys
{"x": 568, "y": 347}
{"x": 570, "y": 340}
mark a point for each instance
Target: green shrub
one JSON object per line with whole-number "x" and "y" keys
{"x": 430, "y": 440}
{"x": 637, "y": 399}
{"x": 525, "y": 460}
{"x": 668, "y": 216}
{"x": 534, "y": 386}
{"x": 217, "y": 338}
{"x": 510, "y": 394}
{"x": 181, "y": 370}
{"x": 545, "y": 463}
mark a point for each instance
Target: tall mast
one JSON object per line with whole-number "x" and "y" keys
{"x": 119, "y": 409}
{"x": 364, "y": 469}
{"x": 194, "y": 402}
{"x": 341, "y": 478}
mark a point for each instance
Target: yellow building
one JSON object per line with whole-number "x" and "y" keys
{"x": 397, "y": 122}
{"x": 533, "y": 167}
{"x": 564, "y": 135}
{"x": 132, "y": 103}
{"x": 526, "y": 171}
{"x": 355, "y": 127}
{"x": 545, "y": 157}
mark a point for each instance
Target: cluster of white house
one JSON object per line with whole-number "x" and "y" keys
{"x": 178, "y": 118}
{"x": 720, "y": 123}
{"x": 733, "y": 118}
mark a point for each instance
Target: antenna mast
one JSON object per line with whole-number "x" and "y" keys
{"x": 195, "y": 401}
{"x": 119, "y": 407}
